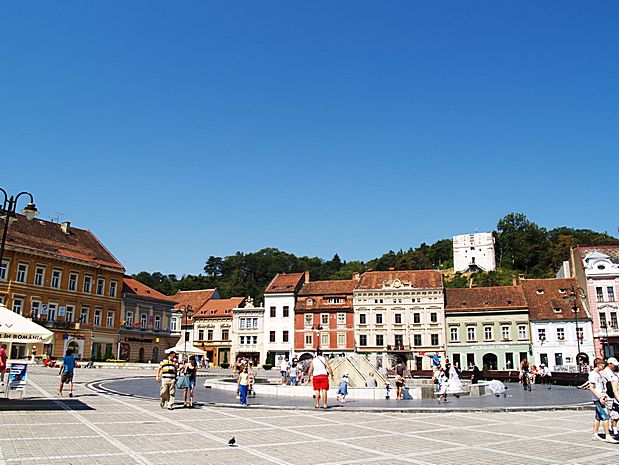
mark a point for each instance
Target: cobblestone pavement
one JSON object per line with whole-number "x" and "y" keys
{"x": 94, "y": 428}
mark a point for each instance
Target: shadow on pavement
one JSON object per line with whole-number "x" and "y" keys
{"x": 33, "y": 405}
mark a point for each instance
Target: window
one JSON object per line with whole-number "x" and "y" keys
{"x": 341, "y": 319}
{"x": 209, "y": 335}
{"x": 84, "y": 315}
{"x": 470, "y": 360}
{"x": 97, "y": 318}
{"x": 379, "y": 318}
{"x": 272, "y": 312}
{"x": 341, "y": 340}
{"x": 453, "y": 334}
{"x": 380, "y": 340}
{"x": 35, "y": 309}
{"x": 69, "y": 314}
{"x": 87, "y": 284}
{"x": 433, "y": 317}
{"x": 201, "y": 335}
{"x": 309, "y": 340}
{"x": 599, "y": 293}
{"x": 225, "y": 334}
{"x": 143, "y": 320}
{"x": 398, "y": 318}
{"x": 286, "y": 311}
{"x": 100, "y": 286}
{"x": 558, "y": 359}
{"x": 416, "y": 317}
{"x": 242, "y": 322}
{"x": 324, "y": 340}
{"x": 56, "y": 275}
{"x": 157, "y": 322}
{"x": 541, "y": 334}
{"x": 611, "y": 293}
{"x": 603, "y": 320}
{"x": 488, "y": 333}
{"x": 505, "y": 332}
{"x": 110, "y": 320}
{"x": 399, "y": 340}
{"x": 434, "y": 339}
{"x": 580, "y": 333}
{"x": 560, "y": 334}
{"x": 309, "y": 319}
{"x": 51, "y": 311}
{"x": 285, "y": 336}
{"x": 173, "y": 325}
{"x": 522, "y": 332}
{"x": 18, "y": 305}
{"x": 271, "y": 336}
{"x": 509, "y": 361}
{"x": 363, "y": 340}
{"x": 254, "y": 339}
{"x": 362, "y": 319}
{"x": 129, "y": 319}
{"x": 22, "y": 271}
{"x": 242, "y": 339}
{"x": 39, "y": 276}
{"x": 417, "y": 340}
{"x": 73, "y": 281}
{"x": 113, "y": 286}
{"x": 613, "y": 319}
{"x": 324, "y": 319}
{"x": 470, "y": 333}
{"x": 3, "y": 270}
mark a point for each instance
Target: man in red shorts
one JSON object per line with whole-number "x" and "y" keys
{"x": 318, "y": 374}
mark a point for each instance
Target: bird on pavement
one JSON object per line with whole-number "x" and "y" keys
{"x": 232, "y": 442}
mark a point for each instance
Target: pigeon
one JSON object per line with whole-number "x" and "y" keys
{"x": 232, "y": 442}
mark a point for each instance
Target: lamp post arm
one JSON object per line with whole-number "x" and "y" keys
{"x": 6, "y": 197}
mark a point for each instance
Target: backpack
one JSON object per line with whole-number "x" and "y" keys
{"x": 609, "y": 389}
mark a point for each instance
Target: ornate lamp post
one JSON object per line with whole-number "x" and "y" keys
{"x": 187, "y": 310}
{"x": 8, "y": 214}
{"x": 317, "y": 329}
{"x": 573, "y": 297}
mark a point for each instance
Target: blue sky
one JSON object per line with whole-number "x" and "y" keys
{"x": 180, "y": 130}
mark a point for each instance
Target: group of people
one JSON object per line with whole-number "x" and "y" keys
{"x": 604, "y": 386}
{"x": 447, "y": 379}
{"x": 168, "y": 374}
{"x": 530, "y": 374}
{"x": 243, "y": 372}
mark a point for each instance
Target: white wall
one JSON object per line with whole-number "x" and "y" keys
{"x": 478, "y": 246}
{"x": 279, "y": 324}
{"x": 567, "y": 347}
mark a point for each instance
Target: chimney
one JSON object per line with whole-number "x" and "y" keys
{"x": 520, "y": 277}
{"x": 514, "y": 281}
{"x": 356, "y": 276}
{"x": 307, "y": 276}
{"x": 65, "y": 225}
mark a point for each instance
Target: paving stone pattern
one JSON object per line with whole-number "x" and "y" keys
{"x": 94, "y": 428}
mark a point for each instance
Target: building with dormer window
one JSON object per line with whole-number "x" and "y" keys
{"x": 399, "y": 315}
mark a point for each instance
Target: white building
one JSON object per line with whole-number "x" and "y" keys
{"x": 555, "y": 312}
{"x": 473, "y": 252}
{"x": 248, "y": 333}
{"x": 400, "y": 315}
{"x": 279, "y": 302}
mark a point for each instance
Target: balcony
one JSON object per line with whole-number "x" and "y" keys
{"x": 399, "y": 348}
{"x": 52, "y": 324}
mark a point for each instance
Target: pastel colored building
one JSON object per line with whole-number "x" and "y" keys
{"x": 248, "y": 333}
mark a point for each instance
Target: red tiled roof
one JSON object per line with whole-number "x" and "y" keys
{"x": 546, "y": 295}
{"x": 420, "y": 279}
{"x": 283, "y": 283}
{"x": 49, "y": 237}
{"x": 484, "y": 298}
{"x": 219, "y": 307}
{"x": 328, "y": 287}
{"x": 196, "y": 299}
{"x": 132, "y": 286}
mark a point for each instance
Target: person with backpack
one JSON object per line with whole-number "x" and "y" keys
{"x": 612, "y": 391}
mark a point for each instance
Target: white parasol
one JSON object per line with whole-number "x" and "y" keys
{"x": 14, "y": 328}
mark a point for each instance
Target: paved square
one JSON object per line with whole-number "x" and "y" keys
{"x": 94, "y": 428}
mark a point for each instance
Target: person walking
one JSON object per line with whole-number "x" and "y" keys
{"x": 318, "y": 374}
{"x": 190, "y": 369}
{"x": 442, "y": 384}
{"x": 454, "y": 384}
{"x": 292, "y": 374}
{"x": 243, "y": 385}
{"x": 283, "y": 369}
{"x": 3, "y": 360}
{"x": 67, "y": 367}
{"x": 525, "y": 374}
{"x": 612, "y": 391}
{"x": 400, "y": 370}
{"x": 166, "y": 375}
{"x": 342, "y": 390}
{"x": 597, "y": 386}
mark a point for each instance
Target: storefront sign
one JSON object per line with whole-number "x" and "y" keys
{"x": 17, "y": 377}
{"x": 61, "y": 310}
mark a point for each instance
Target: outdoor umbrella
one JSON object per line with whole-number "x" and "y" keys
{"x": 180, "y": 349}
{"x": 14, "y": 328}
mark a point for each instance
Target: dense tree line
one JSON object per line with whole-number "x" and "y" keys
{"x": 521, "y": 247}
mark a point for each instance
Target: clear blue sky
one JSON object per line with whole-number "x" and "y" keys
{"x": 179, "y": 130}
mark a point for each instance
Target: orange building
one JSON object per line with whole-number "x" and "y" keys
{"x": 66, "y": 280}
{"x": 324, "y": 317}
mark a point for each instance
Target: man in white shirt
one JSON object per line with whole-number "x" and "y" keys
{"x": 597, "y": 386}
{"x": 612, "y": 405}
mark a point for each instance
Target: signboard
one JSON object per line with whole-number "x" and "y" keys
{"x": 61, "y": 310}
{"x": 44, "y": 309}
{"x": 17, "y": 377}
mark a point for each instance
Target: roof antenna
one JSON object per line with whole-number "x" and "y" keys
{"x": 56, "y": 219}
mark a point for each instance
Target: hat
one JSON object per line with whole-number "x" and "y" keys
{"x": 613, "y": 360}
{"x": 345, "y": 374}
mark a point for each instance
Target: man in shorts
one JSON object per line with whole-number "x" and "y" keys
{"x": 166, "y": 375}
{"x": 597, "y": 386}
{"x": 67, "y": 366}
{"x": 612, "y": 391}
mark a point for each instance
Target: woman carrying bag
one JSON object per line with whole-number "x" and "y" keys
{"x": 187, "y": 380}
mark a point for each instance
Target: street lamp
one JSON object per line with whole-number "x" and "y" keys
{"x": 186, "y": 310}
{"x": 8, "y": 214}
{"x": 317, "y": 329}
{"x": 573, "y": 297}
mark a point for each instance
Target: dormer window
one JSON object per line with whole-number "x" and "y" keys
{"x": 310, "y": 302}
{"x": 561, "y": 291}
{"x": 601, "y": 267}
{"x": 540, "y": 291}
{"x": 509, "y": 302}
{"x": 558, "y": 310}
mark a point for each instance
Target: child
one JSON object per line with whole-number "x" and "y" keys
{"x": 342, "y": 391}
{"x": 250, "y": 379}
